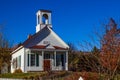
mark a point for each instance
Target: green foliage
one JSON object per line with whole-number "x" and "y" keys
{"x": 57, "y": 75}
{"x": 23, "y": 75}
{"x": 62, "y": 75}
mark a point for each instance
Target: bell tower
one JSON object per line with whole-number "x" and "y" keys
{"x": 43, "y": 19}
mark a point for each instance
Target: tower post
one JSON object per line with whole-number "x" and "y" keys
{"x": 43, "y": 19}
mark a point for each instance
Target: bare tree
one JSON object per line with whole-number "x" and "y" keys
{"x": 110, "y": 56}
{"x": 72, "y": 55}
{"x": 4, "y": 52}
{"x": 106, "y": 59}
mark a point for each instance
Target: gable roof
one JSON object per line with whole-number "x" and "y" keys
{"x": 34, "y": 39}
{"x": 37, "y": 40}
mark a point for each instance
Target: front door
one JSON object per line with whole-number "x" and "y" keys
{"x": 46, "y": 65}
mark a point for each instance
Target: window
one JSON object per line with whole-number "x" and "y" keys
{"x": 14, "y": 63}
{"x": 19, "y": 61}
{"x": 58, "y": 59}
{"x": 47, "y": 56}
{"x": 46, "y": 42}
{"x": 32, "y": 59}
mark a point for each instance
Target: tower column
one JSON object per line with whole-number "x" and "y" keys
{"x": 43, "y": 19}
{"x": 40, "y": 18}
{"x": 50, "y": 19}
{"x": 37, "y": 19}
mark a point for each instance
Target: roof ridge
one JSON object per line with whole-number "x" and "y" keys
{"x": 33, "y": 36}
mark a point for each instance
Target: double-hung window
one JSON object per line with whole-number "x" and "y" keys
{"x": 33, "y": 59}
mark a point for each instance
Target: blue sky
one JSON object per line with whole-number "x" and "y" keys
{"x": 72, "y": 20}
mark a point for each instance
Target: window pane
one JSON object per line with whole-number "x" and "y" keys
{"x": 47, "y": 56}
{"x": 16, "y": 63}
{"x": 58, "y": 57}
{"x": 37, "y": 59}
{"x": 62, "y": 59}
{"x": 28, "y": 59}
{"x": 19, "y": 61}
{"x": 32, "y": 59}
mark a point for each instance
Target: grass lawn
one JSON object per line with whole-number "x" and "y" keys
{"x": 63, "y": 75}
{"x": 21, "y": 75}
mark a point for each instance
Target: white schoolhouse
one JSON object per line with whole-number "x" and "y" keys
{"x": 44, "y": 50}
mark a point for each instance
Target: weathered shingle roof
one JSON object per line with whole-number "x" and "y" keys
{"x": 42, "y": 33}
{"x": 34, "y": 41}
